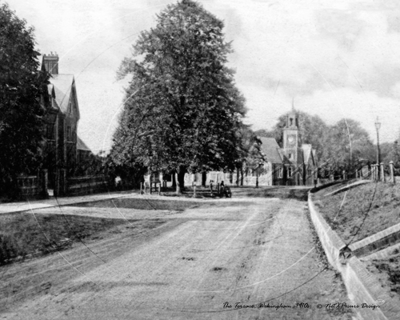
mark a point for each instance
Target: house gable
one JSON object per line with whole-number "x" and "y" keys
{"x": 73, "y": 107}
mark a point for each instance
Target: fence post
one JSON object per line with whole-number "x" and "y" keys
{"x": 64, "y": 186}
{"x": 373, "y": 173}
{"x": 392, "y": 178}
{"x": 44, "y": 181}
{"x": 151, "y": 183}
{"x": 57, "y": 183}
{"x": 382, "y": 172}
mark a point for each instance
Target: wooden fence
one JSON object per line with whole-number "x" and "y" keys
{"x": 379, "y": 172}
{"x": 87, "y": 185}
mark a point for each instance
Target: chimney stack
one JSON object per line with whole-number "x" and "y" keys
{"x": 50, "y": 63}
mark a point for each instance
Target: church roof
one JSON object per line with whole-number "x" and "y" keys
{"x": 80, "y": 145}
{"x": 314, "y": 153}
{"x": 307, "y": 149}
{"x": 300, "y": 158}
{"x": 62, "y": 84}
{"x": 270, "y": 149}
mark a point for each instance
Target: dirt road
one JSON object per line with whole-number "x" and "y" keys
{"x": 250, "y": 259}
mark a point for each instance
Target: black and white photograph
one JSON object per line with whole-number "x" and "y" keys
{"x": 199, "y": 159}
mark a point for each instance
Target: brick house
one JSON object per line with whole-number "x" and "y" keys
{"x": 63, "y": 147}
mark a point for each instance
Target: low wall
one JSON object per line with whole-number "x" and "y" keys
{"x": 29, "y": 186}
{"x": 32, "y": 187}
{"x": 363, "y": 289}
{"x": 330, "y": 241}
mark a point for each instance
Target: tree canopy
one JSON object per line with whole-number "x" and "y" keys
{"x": 346, "y": 145}
{"x": 21, "y": 87}
{"x": 182, "y": 110}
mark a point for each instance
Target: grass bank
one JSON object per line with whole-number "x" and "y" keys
{"x": 361, "y": 212}
{"x": 26, "y": 235}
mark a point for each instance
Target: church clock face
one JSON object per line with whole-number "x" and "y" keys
{"x": 291, "y": 140}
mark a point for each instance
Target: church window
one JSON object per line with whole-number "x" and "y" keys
{"x": 289, "y": 172}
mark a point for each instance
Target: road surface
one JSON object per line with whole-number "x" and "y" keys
{"x": 252, "y": 258}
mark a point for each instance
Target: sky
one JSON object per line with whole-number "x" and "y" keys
{"x": 336, "y": 59}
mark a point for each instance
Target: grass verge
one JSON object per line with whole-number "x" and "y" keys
{"x": 27, "y": 235}
{"x": 387, "y": 271}
{"x": 362, "y": 211}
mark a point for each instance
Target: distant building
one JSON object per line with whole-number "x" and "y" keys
{"x": 299, "y": 160}
{"x": 64, "y": 149}
{"x": 293, "y": 164}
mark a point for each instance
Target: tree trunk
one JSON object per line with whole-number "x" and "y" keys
{"x": 173, "y": 180}
{"x": 181, "y": 180}
{"x": 203, "y": 178}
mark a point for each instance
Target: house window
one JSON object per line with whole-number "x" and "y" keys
{"x": 290, "y": 155}
{"x": 289, "y": 172}
{"x": 69, "y": 134}
{"x": 50, "y": 131}
{"x": 280, "y": 173}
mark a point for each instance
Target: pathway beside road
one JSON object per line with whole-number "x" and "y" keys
{"x": 19, "y": 206}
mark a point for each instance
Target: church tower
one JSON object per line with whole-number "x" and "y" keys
{"x": 291, "y": 136}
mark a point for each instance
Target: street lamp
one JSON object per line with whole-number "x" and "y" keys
{"x": 378, "y": 153}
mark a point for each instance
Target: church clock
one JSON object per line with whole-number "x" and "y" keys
{"x": 291, "y": 139}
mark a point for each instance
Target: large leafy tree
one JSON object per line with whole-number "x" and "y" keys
{"x": 21, "y": 88}
{"x": 347, "y": 146}
{"x": 182, "y": 109}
